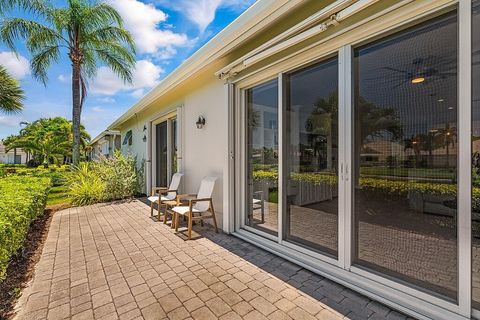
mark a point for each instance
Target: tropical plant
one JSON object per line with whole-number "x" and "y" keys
{"x": 104, "y": 180}
{"x": 11, "y": 95}
{"x": 48, "y": 140}
{"x": 88, "y": 32}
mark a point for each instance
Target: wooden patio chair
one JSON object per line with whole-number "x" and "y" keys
{"x": 165, "y": 196}
{"x": 199, "y": 207}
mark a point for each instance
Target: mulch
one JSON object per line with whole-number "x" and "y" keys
{"x": 22, "y": 266}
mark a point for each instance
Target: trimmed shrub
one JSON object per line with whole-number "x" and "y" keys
{"x": 22, "y": 200}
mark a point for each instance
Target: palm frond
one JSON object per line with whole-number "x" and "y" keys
{"x": 118, "y": 59}
{"x": 35, "y": 33}
{"x": 11, "y": 94}
{"x": 42, "y": 61}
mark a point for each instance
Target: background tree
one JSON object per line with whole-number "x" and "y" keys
{"x": 11, "y": 95}
{"x": 88, "y": 32}
{"x": 48, "y": 140}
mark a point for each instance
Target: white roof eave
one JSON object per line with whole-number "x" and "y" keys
{"x": 258, "y": 16}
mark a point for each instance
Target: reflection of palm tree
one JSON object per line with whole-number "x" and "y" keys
{"x": 373, "y": 121}
{"x": 320, "y": 125}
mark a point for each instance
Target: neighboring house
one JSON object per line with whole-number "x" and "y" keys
{"x": 293, "y": 89}
{"x": 105, "y": 144}
{"x": 14, "y": 156}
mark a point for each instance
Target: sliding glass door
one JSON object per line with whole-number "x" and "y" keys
{"x": 165, "y": 150}
{"x": 311, "y": 156}
{"x": 162, "y": 154}
{"x": 405, "y": 156}
{"x": 352, "y": 160}
{"x": 262, "y": 157}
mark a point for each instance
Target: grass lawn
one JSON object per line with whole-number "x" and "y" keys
{"x": 57, "y": 195}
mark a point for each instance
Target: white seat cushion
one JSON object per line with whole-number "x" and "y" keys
{"x": 155, "y": 198}
{"x": 183, "y": 209}
{"x": 256, "y": 201}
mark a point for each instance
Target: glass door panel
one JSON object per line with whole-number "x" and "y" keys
{"x": 476, "y": 154}
{"x": 161, "y": 154}
{"x": 262, "y": 157}
{"x": 173, "y": 154}
{"x": 405, "y": 156}
{"x": 311, "y": 161}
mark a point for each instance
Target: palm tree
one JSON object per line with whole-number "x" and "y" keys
{"x": 48, "y": 140}
{"x": 11, "y": 95}
{"x": 88, "y": 32}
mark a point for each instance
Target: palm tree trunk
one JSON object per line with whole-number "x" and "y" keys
{"x": 76, "y": 113}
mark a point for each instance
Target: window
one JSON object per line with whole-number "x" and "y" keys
{"x": 311, "y": 142}
{"x": 405, "y": 153}
{"x": 128, "y": 138}
{"x": 262, "y": 157}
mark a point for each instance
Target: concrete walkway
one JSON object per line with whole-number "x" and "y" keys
{"x": 112, "y": 261}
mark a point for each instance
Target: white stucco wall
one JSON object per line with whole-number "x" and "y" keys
{"x": 204, "y": 151}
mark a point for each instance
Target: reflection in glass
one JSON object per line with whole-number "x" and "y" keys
{"x": 161, "y": 157}
{"x": 476, "y": 154}
{"x": 262, "y": 157}
{"x": 405, "y": 152}
{"x": 312, "y": 157}
{"x": 174, "y": 145}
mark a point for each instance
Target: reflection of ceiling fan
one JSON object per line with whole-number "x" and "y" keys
{"x": 422, "y": 69}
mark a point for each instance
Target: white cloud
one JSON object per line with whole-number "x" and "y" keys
{"x": 17, "y": 66}
{"x": 145, "y": 75}
{"x": 10, "y": 121}
{"x": 106, "y": 100}
{"x": 138, "y": 93}
{"x": 97, "y": 109}
{"x": 143, "y": 21}
{"x": 64, "y": 78}
{"x": 202, "y": 12}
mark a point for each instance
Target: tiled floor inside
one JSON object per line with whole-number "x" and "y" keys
{"x": 112, "y": 261}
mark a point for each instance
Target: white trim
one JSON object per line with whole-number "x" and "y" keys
{"x": 348, "y": 157}
{"x": 165, "y": 117}
{"x": 229, "y": 168}
{"x": 464, "y": 183}
{"x": 344, "y": 137}
{"x": 280, "y": 183}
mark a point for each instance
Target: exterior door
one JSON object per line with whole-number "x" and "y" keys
{"x": 165, "y": 150}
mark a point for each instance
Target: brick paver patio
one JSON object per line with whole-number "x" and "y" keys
{"x": 111, "y": 261}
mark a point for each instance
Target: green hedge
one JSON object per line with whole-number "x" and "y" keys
{"x": 22, "y": 200}
{"x": 396, "y": 187}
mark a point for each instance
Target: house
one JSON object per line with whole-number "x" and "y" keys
{"x": 290, "y": 102}
{"x": 105, "y": 144}
{"x": 14, "y": 156}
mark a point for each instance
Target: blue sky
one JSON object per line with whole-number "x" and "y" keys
{"x": 166, "y": 32}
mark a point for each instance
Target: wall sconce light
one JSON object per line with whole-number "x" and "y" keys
{"x": 200, "y": 122}
{"x": 144, "y": 138}
{"x": 144, "y": 134}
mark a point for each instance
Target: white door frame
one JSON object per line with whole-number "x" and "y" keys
{"x": 153, "y": 164}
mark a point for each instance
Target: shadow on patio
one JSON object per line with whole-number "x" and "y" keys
{"x": 112, "y": 261}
